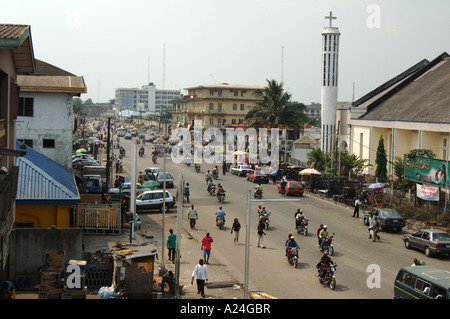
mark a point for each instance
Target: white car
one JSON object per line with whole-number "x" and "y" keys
{"x": 152, "y": 200}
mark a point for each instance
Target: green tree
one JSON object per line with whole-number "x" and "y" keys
{"x": 274, "y": 108}
{"x": 352, "y": 163}
{"x": 381, "y": 160}
{"x": 318, "y": 159}
{"x": 399, "y": 172}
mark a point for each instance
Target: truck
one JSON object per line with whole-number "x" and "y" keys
{"x": 241, "y": 170}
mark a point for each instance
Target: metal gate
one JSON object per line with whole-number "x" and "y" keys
{"x": 99, "y": 217}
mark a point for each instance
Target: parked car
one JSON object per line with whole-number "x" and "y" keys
{"x": 257, "y": 176}
{"x": 431, "y": 241}
{"x": 389, "y": 218}
{"x": 153, "y": 170}
{"x": 151, "y": 200}
{"x": 169, "y": 180}
{"x": 126, "y": 189}
{"x": 80, "y": 163}
{"x": 293, "y": 188}
{"x": 82, "y": 156}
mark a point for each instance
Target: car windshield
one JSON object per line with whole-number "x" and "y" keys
{"x": 390, "y": 213}
{"x": 295, "y": 185}
{"x": 161, "y": 175}
{"x": 441, "y": 237}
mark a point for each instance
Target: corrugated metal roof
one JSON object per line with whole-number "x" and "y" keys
{"x": 13, "y": 31}
{"x": 41, "y": 180}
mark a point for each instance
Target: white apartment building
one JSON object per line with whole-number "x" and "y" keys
{"x": 147, "y": 99}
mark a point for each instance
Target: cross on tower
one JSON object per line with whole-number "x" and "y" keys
{"x": 330, "y": 18}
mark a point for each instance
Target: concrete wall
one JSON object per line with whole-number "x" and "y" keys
{"x": 29, "y": 245}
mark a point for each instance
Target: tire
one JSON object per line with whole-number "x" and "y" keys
{"x": 332, "y": 284}
{"x": 167, "y": 209}
{"x": 407, "y": 244}
{"x": 428, "y": 252}
{"x": 295, "y": 263}
{"x": 305, "y": 232}
{"x": 330, "y": 250}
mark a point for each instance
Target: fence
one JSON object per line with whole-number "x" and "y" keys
{"x": 98, "y": 217}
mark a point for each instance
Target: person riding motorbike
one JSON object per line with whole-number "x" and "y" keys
{"x": 215, "y": 172}
{"x": 208, "y": 176}
{"x": 291, "y": 245}
{"x": 262, "y": 212}
{"x": 220, "y": 213}
{"x": 220, "y": 189}
{"x": 323, "y": 235}
{"x": 299, "y": 218}
{"x": 324, "y": 262}
{"x": 210, "y": 186}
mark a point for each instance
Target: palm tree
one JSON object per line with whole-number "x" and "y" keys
{"x": 274, "y": 109}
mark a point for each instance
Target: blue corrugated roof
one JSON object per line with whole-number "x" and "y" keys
{"x": 43, "y": 181}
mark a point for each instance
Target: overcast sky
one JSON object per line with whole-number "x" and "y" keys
{"x": 121, "y": 43}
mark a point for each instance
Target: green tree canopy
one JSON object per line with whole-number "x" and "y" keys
{"x": 274, "y": 108}
{"x": 381, "y": 160}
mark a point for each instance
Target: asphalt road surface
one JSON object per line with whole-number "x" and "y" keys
{"x": 366, "y": 269}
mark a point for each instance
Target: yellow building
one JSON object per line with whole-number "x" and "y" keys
{"x": 218, "y": 105}
{"x": 411, "y": 111}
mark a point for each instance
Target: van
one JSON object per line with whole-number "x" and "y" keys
{"x": 422, "y": 282}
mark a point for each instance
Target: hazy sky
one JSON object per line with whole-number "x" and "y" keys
{"x": 121, "y": 43}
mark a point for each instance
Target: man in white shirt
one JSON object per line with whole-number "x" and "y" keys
{"x": 201, "y": 271}
{"x": 193, "y": 216}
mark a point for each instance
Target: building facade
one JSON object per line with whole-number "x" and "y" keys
{"x": 45, "y": 115}
{"x": 147, "y": 99}
{"x": 218, "y": 105}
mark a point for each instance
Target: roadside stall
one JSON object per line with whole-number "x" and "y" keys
{"x": 134, "y": 267}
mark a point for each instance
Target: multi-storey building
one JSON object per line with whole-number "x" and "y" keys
{"x": 147, "y": 99}
{"x": 217, "y": 105}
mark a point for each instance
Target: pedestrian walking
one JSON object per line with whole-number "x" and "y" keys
{"x": 206, "y": 247}
{"x": 201, "y": 272}
{"x": 235, "y": 229}
{"x": 376, "y": 228}
{"x": 186, "y": 193}
{"x": 171, "y": 245}
{"x": 261, "y": 234}
{"x": 193, "y": 216}
{"x": 370, "y": 225}
{"x": 356, "y": 211}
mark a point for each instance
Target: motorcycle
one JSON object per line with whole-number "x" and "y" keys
{"x": 211, "y": 189}
{"x": 220, "y": 222}
{"x": 327, "y": 245}
{"x": 119, "y": 168}
{"x": 328, "y": 279}
{"x": 197, "y": 168}
{"x": 265, "y": 217}
{"x": 154, "y": 159}
{"x": 141, "y": 152}
{"x": 258, "y": 194}
{"x": 215, "y": 174}
{"x": 303, "y": 227}
{"x": 293, "y": 256}
{"x": 221, "y": 196}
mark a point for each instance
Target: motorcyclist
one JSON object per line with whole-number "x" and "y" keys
{"x": 220, "y": 189}
{"x": 210, "y": 186}
{"x": 259, "y": 188}
{"x": 299, "y": 218}
{"x": 220, "y": 213}
{"x": 324, "y": 262}
{"x": 262, "y": 212}
{"x": 291, "y": 245}
{"x": 208, "y": 176}
{"x": 323, "y": 235}
{"x": 215, "y": 172}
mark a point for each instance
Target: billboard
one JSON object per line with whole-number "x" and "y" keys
{"x": 424, "y": 170}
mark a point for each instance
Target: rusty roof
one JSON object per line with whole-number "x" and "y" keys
{"x": 17, "y": 37}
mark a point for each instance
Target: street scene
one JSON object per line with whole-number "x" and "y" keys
{"x": 293, "y": 152}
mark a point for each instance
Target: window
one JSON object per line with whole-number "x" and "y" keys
{"x": 219, "y": 92}
{"x": 48, "y": 143}
{"x": 234, "y": 107}
{"x": 26, "y": 106}
{"x": 211, "y": 106}
{"x": 211, "y": 121}
{"x": 407, "y": 279}
{"x": 422, "y": 286}
{"x": 211, "y": 92}
{"x": 219, "y": 107}
{"x": 233, "y": 121}
{"x": 236, "y": 93}
{"x": 28, "y": 143}
{"x": 242, "y": 107}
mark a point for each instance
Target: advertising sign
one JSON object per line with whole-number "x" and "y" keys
{"x": 428, "y": 192}
{"x": 426, "y": 170}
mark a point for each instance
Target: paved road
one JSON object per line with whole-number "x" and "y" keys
{"x": 269, "y": 270}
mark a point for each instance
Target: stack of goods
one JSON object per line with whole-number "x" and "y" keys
{"x": 75, "y": 287}
{"x": 260, "y": 295}
{"x": 51, "y": 275}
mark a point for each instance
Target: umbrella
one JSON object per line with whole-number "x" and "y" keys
{"x": 150, "y": 184}
{"x": 376, "y": 185}
{"x": 309, "y": 171}
{"x": 239, "y": 153}
{"x": 81, "y": 150}
{"x": 159, "y": 140}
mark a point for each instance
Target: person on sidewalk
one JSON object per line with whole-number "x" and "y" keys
{"x": 356, "y": 211}
{"x": 168, "y": 278}
{"x": 201, "y": 271}
{"x": 171, "y": 245}
{"x": 206, "y": 247}
{"x": 261, "y": 234}
{"x": 193, "y": 216}
{"x": 235, "y": 228}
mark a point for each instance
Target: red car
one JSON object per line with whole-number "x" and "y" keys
{"x": 293, "y": 188}
{"x": 257, "y": 176}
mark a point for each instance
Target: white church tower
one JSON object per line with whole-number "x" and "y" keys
{"x": 330, "y": 55}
